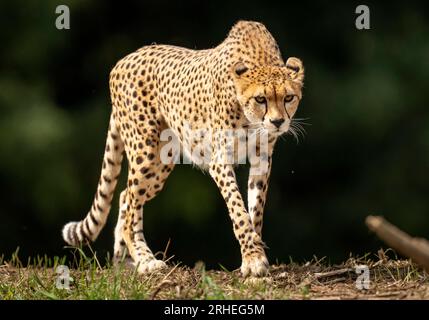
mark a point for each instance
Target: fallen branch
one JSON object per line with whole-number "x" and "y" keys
{"x": 415, "y": 248}
{"x": 319, "y": 275}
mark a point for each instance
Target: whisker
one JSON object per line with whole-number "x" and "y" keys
{"x": 303, "y": 123}
{"x": 299, "y": 132}
{"x": 299, "y": 128}
{"x": 294, "y": 134}
{"x": 300, "y": 119}
{"x": 283, "y": 137}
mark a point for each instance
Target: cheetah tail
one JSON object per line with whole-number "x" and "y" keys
{"x": 86, "y": 230}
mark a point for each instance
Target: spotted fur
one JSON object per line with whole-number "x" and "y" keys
{"x": 242, "y": 83}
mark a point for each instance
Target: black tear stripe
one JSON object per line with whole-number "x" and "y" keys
{"x": 266, "y": 106}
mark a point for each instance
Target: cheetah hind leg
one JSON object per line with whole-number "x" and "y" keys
{"x": 153, "y": 185}
{"x": 121, "y": 256}
{"x": 132, "y": 233}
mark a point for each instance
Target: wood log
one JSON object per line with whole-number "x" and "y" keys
{"x": 415, "y": 248}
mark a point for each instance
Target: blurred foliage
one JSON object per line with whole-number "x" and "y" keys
{"x": 365, "y": 152}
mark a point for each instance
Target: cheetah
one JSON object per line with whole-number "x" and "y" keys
{"x": 243, "y": 83}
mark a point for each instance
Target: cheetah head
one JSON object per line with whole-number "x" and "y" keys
{"x": 269, "y": 95}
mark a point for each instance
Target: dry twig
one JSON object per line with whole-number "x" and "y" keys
{"x": 415, "y": 248}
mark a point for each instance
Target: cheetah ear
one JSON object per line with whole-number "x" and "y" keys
{"x": 239, "y": 68}
{"x": 295, "y": 70}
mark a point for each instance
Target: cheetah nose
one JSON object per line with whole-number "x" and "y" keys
{"x": 277, "y": 122}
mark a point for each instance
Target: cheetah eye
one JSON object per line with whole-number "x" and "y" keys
{"x": 289, "y": 98}
{"x": 261, "y": 99}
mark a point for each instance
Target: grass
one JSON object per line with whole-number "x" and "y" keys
{"x": 37, "y": 279}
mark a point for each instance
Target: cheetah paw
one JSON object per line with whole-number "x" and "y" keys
{"x": 255, "y": 265}
{"x": 151, "y": 266}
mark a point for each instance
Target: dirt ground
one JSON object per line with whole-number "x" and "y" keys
{"x": 386, "y": 279}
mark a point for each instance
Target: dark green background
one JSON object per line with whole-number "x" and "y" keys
{"x": 366, "y": 152}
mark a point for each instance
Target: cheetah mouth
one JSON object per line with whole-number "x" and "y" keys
{"x": 277, "y": 131}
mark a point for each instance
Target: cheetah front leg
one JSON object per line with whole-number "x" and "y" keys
{"x": 257, "y": 191}
{"x": 254, "y": 260}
